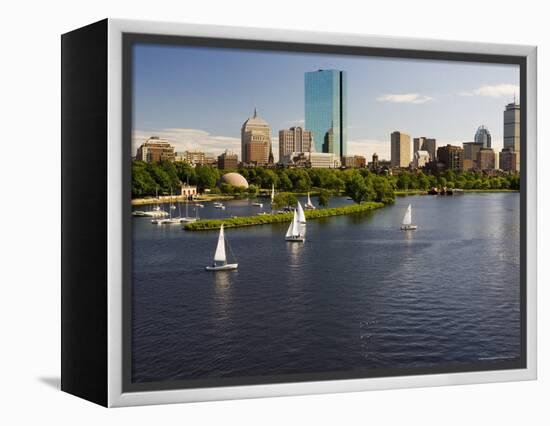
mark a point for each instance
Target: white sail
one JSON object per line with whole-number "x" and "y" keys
{"x": 301, "y": 214}
{"x": 219, "y": 256}
{"x": 289, "y": 232}
{"x": 272, "y": 192}
{"x": 295, "y": 225}
{"x": 407, "y": 219}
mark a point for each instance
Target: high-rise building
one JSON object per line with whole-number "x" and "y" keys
{"x": 470, "y": 155}
{"x": 400, "y": 149}
{"x": 452, "y": 157}
{"x": 421, "y": 158}
{"x": 255, "y": 141}
{"x": 512, "y": 131}
{"x": 486, "y": 159}
{"x": 483, "y": 136}
{"x": 295, "y": 139}
{"x": 509, "y": 160}
{"x": 326, "y": 110}
{"x": 425, "y": 144}
{"x": 228, "y": 161}
{"x": 155, "y": 149}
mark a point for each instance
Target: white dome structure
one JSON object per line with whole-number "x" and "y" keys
{"x": 234, "y": 179}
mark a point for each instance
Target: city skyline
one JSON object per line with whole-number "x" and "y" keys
{"x": 198, "y": 98}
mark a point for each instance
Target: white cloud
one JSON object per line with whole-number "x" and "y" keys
{"x": 405, "y": 98}
{"x": 196, "y": 139}
{"x": 190, "y": 139}
{"x": 495, "y": 91}
{"x": 367, "y": 147}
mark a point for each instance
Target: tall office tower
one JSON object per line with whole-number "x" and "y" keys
{"x": 326, "y": 110}
{"x": 400, "y": 149}
{"x": 295, "y": 139}
{"x": 483, "y": 136}
{"x": 512, "y": 131}
{"x": 425, "y": 144}
{"x": 255, "y": 141}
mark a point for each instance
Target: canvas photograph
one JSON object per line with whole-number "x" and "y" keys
{"x": 302, "y": 215}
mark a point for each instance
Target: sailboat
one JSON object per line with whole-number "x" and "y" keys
{"x": 272, "y": 193}
{"x": 293, "y": 234}
{"x": 309, "y": 204}
{"x": 407, "y": 220}
{"x": 220, "y": 258}
{"x": 301, "y": 214}
{"x": 187, "y": 218}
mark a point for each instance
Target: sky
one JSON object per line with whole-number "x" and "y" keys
{"x": 199, "y": 97}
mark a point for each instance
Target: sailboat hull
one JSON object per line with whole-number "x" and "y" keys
{"x": 298, "y": 239}
{"x": 409, "y": 227}
{"x": 227, "y": 267}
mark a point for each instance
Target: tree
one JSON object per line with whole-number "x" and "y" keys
{"x": 324, "y": 197}
{"x": 356, "y": 189}
{"x": 284, "y": 199}
{"x": 207, "y": 177}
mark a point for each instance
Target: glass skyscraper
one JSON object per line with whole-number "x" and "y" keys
{"x": 326, "y": 110}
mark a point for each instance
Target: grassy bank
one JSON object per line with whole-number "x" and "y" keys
{"x": 235, "y": 222}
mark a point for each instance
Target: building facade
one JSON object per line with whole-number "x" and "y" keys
{"x": 451, "y": 157}
{"x": 155, "y": 149}
{"x": 512, "y": 131}
{"x": 509, "y": 160}
{"x": 326, "y": 110}
{"x": 421, "y": 158}
{"x": 400, "y": 149}
{"x": 483, "y": 136}
{"x": 425, "y": 144}
{"x": 228, "y": 161}
{"x": 255, "y": 141}
{"x": 195, "y": 158}
{"x": 486, "y": 159}
{"x": 314, "y": 160}
{"x": 354, "y": 161}
{"x": 295, "y": 139}
{"x": 470, "y": 155}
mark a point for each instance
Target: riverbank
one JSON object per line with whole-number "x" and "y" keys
{"x": 237, "y": 222}
{"x": 181, "y": 199}
{"x": 423, "y": 192}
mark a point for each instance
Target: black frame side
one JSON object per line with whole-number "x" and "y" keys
{"x": 84, "y": 189}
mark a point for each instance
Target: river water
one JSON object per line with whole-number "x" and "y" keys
{"x": 359, "y": 294}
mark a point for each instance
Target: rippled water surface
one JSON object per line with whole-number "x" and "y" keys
{"x": 359, "y": 294}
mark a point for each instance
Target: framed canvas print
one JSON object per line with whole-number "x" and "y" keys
{"x": 252, "y": 213}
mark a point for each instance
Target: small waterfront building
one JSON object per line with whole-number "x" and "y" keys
{"x": 188, "y": 190}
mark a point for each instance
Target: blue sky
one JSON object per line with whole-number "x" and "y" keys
{"x": 198, "y": 98}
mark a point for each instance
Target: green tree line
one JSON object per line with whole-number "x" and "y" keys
{"x": 359, "y": 184}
